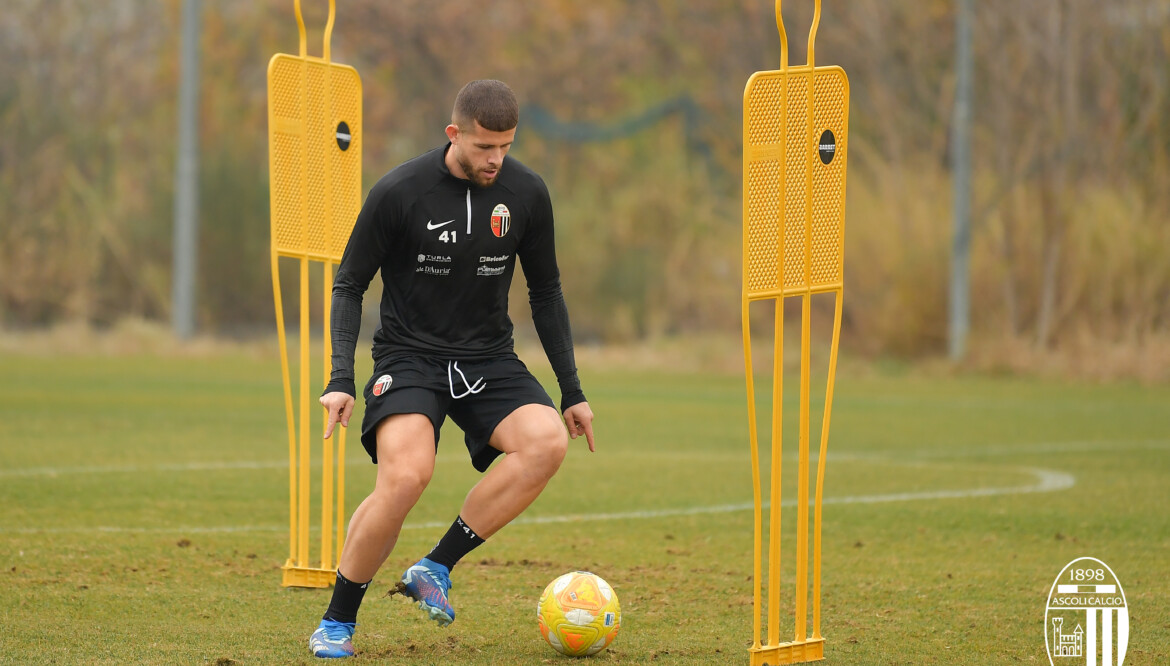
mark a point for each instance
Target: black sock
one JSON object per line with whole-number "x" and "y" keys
{"x": 457, "y": 542}
{"x": 347, "y": 597}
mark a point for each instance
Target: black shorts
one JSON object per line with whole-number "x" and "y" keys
{"x": 477, "y": 394}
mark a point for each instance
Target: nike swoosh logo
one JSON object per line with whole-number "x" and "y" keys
{"x": 431, "y": 226}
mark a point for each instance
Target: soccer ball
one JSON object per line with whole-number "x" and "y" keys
{"x": 579, "y": 614}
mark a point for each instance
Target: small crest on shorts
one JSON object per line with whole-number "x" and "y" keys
{"x": 382, "y": 385}
{"x": 501, "y": 220}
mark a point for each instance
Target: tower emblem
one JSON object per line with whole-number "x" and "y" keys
{"x": 1086, "y": 616}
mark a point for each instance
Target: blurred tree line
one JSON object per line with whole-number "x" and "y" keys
{"x": 1071, "y": 143}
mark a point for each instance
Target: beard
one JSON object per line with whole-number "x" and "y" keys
{"x": 475, "y": 175}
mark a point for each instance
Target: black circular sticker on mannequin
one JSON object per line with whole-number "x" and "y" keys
{"x": 827, "y": 147}
{"x": 343, "y": 135}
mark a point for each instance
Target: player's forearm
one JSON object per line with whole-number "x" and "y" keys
{"x": 344, "y": 323}
{"x": 551, "y": 317}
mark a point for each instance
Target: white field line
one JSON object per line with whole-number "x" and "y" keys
{"x": 909, "y": 456}
{"x": 137, "y": 469}
{"x": 1045, "y": 481}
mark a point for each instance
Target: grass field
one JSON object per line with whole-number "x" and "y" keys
{"x": 145, "y": 519}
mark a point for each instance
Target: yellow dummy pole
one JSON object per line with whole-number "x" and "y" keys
{"x": 805, "y": 352}
{"x": 795, "y": 133}
{"x": 304, "y": 462}
{"x": 327, "y": 272}
{"x": 314, "y": 127}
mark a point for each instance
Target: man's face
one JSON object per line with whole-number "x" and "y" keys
{"x": 480, "y": 152}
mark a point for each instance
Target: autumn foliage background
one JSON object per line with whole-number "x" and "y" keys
{"x": 1070, "y": 246}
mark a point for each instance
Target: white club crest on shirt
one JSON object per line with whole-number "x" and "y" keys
{"x": 501, "y": 220}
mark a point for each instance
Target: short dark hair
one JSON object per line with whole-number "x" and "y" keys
{"x": 488, "y": 102}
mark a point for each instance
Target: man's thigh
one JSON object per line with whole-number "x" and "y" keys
{"x": 507, "y": 388}
{"x": 406, "y": 442}
{"x": 404, "y": 386}
{"x": 529, "y": 425}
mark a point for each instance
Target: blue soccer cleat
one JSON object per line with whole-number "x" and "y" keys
{"x": 427, "y": 583}
{"x": 332, "y": 640}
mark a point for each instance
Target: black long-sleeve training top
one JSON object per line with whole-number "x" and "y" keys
{"x": 447, "y": 251}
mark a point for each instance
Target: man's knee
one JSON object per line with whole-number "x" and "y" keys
{"x": 546, "y": 441}
{"x": 555, "y": 446}
{"x": 400, "y": 479}
{"x": 406, "y": 454}
{"x": 537, "y": 434}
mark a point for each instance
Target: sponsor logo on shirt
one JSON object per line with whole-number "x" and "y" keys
{"x": 490, "y": 270}
{"x": 487, "y": 260}
{"x": 435, "y": 258}
{"x": 431, "y": 270}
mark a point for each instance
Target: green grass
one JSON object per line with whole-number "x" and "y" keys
{"x": 145, "y": 519}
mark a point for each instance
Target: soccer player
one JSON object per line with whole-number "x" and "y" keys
{"x": 445, "y": 229}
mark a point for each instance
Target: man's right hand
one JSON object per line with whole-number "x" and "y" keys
{"x": 338, "y": 407}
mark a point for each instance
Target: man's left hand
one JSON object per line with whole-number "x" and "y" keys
{"x": 579, "y": 419}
